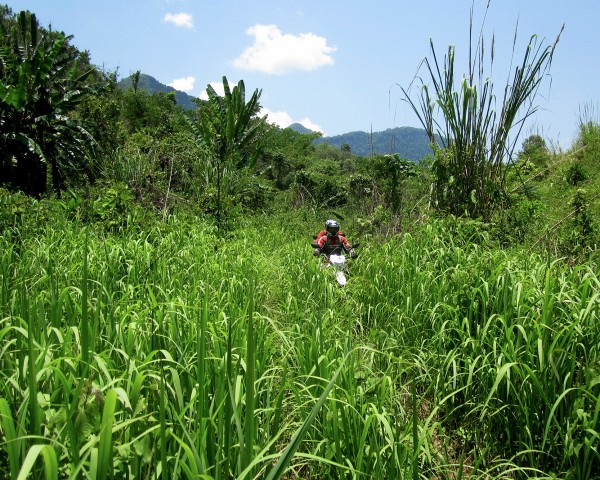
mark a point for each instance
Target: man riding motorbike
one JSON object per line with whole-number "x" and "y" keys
{"x": 331, "y": 240}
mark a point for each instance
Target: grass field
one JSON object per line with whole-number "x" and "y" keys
{"x": 174, "y": 354}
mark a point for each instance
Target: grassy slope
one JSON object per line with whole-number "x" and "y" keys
{"x": 552, "y": 187}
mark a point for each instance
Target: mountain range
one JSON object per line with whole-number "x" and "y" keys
{"x": 408, "y": 142}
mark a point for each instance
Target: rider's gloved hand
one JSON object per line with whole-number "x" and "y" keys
{"x": 353, "y": 254}
{"x": 316, "y": 252}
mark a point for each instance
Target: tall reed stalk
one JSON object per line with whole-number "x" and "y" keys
{"x": 472, "y": 138}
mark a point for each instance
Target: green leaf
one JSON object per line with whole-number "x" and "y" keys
{"x": 11, "y": 442}
{"x": 50, "y": 462}
{"x": 286, "y": 457}
{"x": 105, "y": 442}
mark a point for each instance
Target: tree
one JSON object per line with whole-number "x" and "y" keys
{"x": 534, "y": 150}
{"x": 228, "y": 127}
{"x": 156, "y": 114}
{"x": 391, "y": 171}
{"x": 42, "y": 143}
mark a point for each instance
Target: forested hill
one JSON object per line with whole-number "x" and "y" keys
{"x": 408, "y": 142}
{"x": 152, "y": 85}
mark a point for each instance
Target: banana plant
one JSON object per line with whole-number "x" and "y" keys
{"x": 230, "y": 129}
{"x": 41, "y": 83}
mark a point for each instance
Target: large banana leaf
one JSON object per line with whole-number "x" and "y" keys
{"x": 41, "y": 84}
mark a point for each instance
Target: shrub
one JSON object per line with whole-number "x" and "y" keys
{"x": 577, "y": 237}
{"x": 110, "y": 206}
{"x": 534, "y": 150}
{"x": 519, "y": 222}
{"x": 576, "y": 175}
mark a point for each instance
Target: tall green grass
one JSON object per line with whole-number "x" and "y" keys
{"x": 226, "y": 358}
{"x": 509, "y": 344}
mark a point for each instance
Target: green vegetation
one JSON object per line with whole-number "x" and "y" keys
{"x": 42, "y": 82}
{"x": 151, "y": 85}
{"x": 471, "y": 136}
{"x": 231, "y": 135}
{"x": 170, "y": 356}
{"x": 161, "y": 314}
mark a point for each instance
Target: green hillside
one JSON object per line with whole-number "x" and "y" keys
{"x": 559, "y": 192}
{"x": 298, "y": 127}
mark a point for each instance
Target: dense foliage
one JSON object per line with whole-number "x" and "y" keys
{"x": 41, "y": 83}
{"x": 161, "y": 314}
{"x": 151, "y": 85}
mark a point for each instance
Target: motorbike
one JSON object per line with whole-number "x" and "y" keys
{"x": 336, "y": 260}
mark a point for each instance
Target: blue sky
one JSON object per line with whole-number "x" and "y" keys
{"x": 335, "y": 65}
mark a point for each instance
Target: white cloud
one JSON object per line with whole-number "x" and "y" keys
{"x": 280, "y": 118}
{"x": 284, "y": 119}
{"x": 218, "y": 86}
{"x": 185, "y": 84}
{"x": 184, "y": 20}
{"x": 308, "y": 123}
{"x": 276, "y": 53}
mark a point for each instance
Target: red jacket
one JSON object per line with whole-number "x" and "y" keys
{"x": 324, "y": 232}
{"x": 329, "y": 244}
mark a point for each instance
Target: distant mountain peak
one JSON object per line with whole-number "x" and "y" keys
{"x": 152, "y": 85}
{"x": 298, "y": 127}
